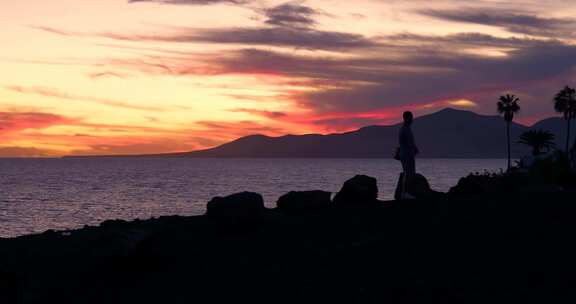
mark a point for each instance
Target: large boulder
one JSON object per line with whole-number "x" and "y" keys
{"x": 417, "y": 186}
{"x": 360, "y": 189}
{"x": 298, "y": 202}
{"x": 244, "y": 204}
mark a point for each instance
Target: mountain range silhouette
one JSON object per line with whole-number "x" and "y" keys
{"x": 448, "y": 133}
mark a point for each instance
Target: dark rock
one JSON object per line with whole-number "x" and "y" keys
{"x": 50, "y": 233}
{"x": 236, "y": 205}
{"x": 120, "y": 242}
{"x": 417, "y": 186}
{"x": 113, "y": 224}
{"x": 297, "y": 202}
{"x": 360, "y": 189}
{"x": 568, "y": 181}
{"x": 8, "y": 287}
{"x": 474, "y": 184}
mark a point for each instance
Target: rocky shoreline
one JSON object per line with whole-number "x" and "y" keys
{"x": 474, "y": 244}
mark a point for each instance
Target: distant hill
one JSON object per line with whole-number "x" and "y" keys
{"x": 448, "y": 133}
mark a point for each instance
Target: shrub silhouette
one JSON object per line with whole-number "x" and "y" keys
{"x": 539, "y": 140}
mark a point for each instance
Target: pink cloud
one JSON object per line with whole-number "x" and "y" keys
{"x": 17, "y": 121}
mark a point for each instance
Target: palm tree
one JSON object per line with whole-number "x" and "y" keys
{"x": 508, "y": 106}
{"x": 539, "y": 140}
{"x": 565, "y": 103}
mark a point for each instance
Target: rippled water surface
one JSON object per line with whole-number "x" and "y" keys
{"x": 41, "y": 194}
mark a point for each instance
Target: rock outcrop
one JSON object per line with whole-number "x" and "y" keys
{"x": 360, "y": 189}
{"x": 244, "y": 204}
{"x": 299, "y": 202}
{"x": 417, "y": 186}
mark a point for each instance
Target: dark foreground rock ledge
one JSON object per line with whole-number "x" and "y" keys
{"x": 479, "y": 249}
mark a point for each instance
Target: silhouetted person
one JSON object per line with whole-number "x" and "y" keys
{"x": 408, "y": 151}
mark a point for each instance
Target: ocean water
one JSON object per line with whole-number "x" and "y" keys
{"x": 41, "y": 194}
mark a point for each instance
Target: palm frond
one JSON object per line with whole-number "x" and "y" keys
{"x": 539, "y": 140}
{"x": 508, "y": 105}
{"x": 565, "y": 102}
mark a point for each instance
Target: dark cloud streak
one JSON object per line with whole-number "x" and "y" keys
{"x": 287, "y": 37}
{"x": 267, "y": 36}
{"x": 396, "y": 71}
{"x": 470, "y": 40}
{"x": 291, "y": 14}
{"x": 515, "y": 22}
{"x": 263, "y": 113}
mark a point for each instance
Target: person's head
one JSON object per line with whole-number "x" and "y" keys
{"x": 408, "y": 117}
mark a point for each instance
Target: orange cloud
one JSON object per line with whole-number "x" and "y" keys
{"x": 25, "y": 134}
{"x": 128, "y": 146}
{"x": 24, "y": 152}
{"x": 51, "y": 92}
{"x": 17, "y": 121}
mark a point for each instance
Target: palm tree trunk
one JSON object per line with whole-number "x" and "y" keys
{"x": 508, "y": 142}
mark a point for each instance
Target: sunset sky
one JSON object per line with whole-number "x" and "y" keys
{"x": 145, "y": 76}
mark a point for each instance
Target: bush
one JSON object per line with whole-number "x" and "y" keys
{"x": 484, "y": 183}
{"x": 552, "y": 169}
{"x": 545, "y": 173}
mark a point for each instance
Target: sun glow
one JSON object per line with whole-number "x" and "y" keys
{"x": 464, "y": 103}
